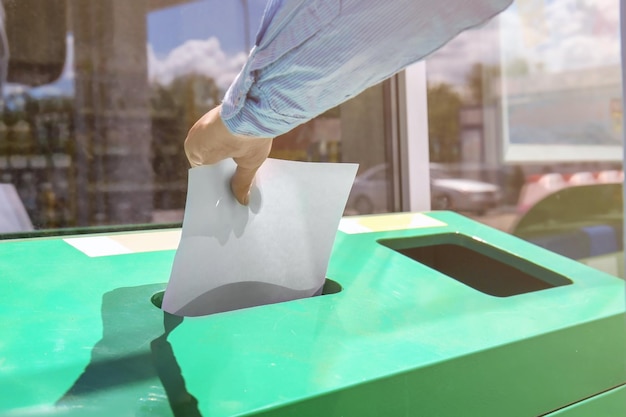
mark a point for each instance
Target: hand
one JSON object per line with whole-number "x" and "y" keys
{"x": 209, "y": 141}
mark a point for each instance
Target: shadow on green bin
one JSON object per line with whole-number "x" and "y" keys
{"x": 133, "y": 369}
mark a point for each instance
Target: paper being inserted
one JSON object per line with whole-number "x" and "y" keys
{"x": 275, "y": 249}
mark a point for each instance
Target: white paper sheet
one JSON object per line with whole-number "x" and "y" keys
{"x": 276, "y": 249}
{"x": 13, "y": 215}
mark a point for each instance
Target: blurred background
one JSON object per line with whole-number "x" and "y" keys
{"x": 524, "y": 119}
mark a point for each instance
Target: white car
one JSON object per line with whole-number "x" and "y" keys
{"x": 370, "y": 192}
{"x": 461, "y": 194}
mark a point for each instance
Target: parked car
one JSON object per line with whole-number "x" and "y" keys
{"x": 461, "y": 194}
{"x": 370, "y": 192}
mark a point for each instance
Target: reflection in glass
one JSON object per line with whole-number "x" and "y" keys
{"x": 102, "y": 143}
{"x": 531, "y": 102}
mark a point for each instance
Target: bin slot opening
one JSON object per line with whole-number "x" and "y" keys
{"x": 330, "y": 287}
{"x": 477, "y": 264}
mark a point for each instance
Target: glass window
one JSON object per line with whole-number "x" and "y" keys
{"x": 99, "y": 98}
{"x": 525, "y": 118}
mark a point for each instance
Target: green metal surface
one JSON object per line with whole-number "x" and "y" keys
{"x": 81, "y": 336}
{"x": 607, "y": 404}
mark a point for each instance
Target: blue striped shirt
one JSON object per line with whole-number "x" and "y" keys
{"x": 312, "y": 55}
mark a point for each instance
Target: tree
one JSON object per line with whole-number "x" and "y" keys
{"x": 195, "y": 94}
{"x": 444, "y": 105}
{"x": 480, "y": 81}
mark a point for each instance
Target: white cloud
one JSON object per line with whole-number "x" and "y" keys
{"x": 204, "y": 57}
{"x": 578, "y": 34}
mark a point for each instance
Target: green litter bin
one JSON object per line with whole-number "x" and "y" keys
{"x": 425, "y": 314}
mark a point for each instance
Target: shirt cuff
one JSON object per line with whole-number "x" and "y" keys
{"x": 245, "y": 113}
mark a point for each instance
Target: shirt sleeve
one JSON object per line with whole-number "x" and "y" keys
{"x": 311, "y": 55}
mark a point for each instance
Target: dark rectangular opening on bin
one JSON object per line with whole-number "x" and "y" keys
{"x": 477, "y": 264}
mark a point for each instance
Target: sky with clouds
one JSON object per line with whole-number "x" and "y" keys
{"x": 204, "y": 57}
{"x": 548, "y": 35}
{"x": 578, "y": 34}
{"x": 203, "y": 37}
{"x": 200, "y": 37}
{"x": 207, "y": 37}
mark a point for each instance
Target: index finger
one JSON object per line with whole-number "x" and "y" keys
{"x": 257, "y": 151}
{"x": 241, "y": 183}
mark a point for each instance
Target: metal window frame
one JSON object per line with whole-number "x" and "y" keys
{"x": 408, "y": 151}
{"x": 623, "y": 41}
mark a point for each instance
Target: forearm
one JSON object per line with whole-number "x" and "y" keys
{"x": 313, "y": 55}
